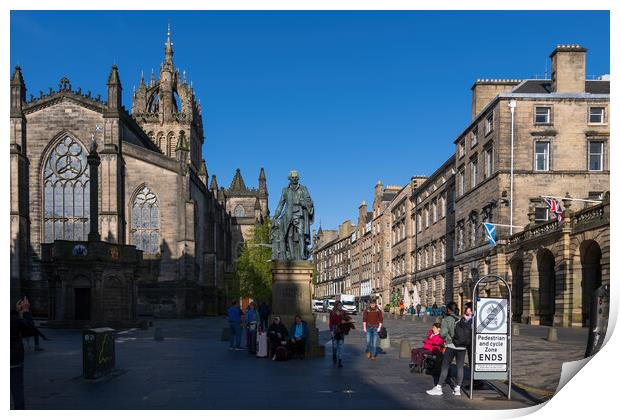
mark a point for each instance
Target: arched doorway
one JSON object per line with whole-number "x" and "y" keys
{"x": 516, "y": 267}
{"x": 546, "y": 281}
{"x": 591, "y": 276}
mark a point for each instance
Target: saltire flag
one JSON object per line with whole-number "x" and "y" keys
{"x": 555, "y": 207}
{"x": 490, "y": 231}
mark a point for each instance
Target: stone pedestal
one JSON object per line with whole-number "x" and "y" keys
{"x": 291, "y": 295}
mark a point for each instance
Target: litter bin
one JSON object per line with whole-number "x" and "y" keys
{"x": 98, "y": 355}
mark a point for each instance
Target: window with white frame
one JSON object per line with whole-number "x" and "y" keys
{"x": 595, "y": 155}
{"x": 542, "y": 115}
{"x": 488, "y": 162}
{"x": 473, "y": 166}
{"x": 461, "y": 148}
{"x": 474, "y": 137}
{"x": 596, "y": 115}
{"x": 461, "y": 182}
{"x": 442, "y": 205}
{"x": 541, "y": 155}
{"x": 426, "y": 217}
{"x": 488, "y": 125}
{"x": 434, "y": 211}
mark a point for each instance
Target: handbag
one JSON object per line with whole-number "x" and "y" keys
{"x": 382, "y": 333}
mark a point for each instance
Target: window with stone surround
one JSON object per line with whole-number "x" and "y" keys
{"x": 474, "y": 137}
{"x": 596, "y": 115}
{"x": 542, "y": 115}
{"x": 461, "y": 182}
{"x": 473, "y": 172}
{"x": 488, "y": 162}
{"x": 595, "y": 155}
{"x": 541, "y": 155}
{"x": 488, "y": 124}
{"x": 66, "y": 193}
{"x": 145, "y": 222}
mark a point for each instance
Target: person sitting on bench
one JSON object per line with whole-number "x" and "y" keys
{"x": 276, "y": 334}
{"x": 298, "y": 334}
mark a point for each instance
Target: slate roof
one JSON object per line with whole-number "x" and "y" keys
{"x": 544, "y": 86}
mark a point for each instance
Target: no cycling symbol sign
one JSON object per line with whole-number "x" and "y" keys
{"x": 491, "y": 335}
{"x": 492, "y": 317}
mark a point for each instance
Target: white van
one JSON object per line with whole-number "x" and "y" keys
{"x": 317, "y": 305}
{"x": 348, "y": 303}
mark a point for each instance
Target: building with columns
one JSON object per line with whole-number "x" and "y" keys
{"x": 528, "y": 139}
{"x": 153, "y": 193}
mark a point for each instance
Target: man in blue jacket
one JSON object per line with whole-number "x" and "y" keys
{"x": 234, "y": 320}
{"x": 299, "y": 336}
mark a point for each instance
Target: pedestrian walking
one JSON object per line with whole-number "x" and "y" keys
{"x": 251, "y": 325}
{"x": 264, "y": 311}
{"x": 453, "y": 335}
{"x": 32, "y": 331}
{"x": 235, "y": 315}
{"x": 402, "y": 308}
{"x": 372, "y": 321}
{"x": 18, "y": 327}
{"x": 339, "y": 324}
{"x": 418, "y": 308}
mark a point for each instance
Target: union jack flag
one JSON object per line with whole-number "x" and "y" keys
{"x": 555, "y": 207}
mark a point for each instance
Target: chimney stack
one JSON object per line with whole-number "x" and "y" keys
{"x": 485, "y": 90}
{"x": 568, "y": 69}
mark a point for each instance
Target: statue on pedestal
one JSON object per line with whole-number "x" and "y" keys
{"x": 290, "y": 232}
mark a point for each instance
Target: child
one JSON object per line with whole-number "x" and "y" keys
{"x": 433, "y": 344}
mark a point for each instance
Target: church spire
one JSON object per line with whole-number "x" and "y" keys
{"x": 262, "y": 183}
{"x": 168, "y": 52}
{"x": 237, "y": 183}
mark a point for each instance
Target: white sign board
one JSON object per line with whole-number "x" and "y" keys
{"x": 492, "y": 316}
{"x": 491, "y": 352}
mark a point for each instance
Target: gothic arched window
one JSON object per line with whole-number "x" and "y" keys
{"x": 66, "y": 193}
{"x": 239, "y": 211}
{"x": 145, "y": 222}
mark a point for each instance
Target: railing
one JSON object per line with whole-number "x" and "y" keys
{"x": 586, "y": 216}
{"x": 539, "y": 230}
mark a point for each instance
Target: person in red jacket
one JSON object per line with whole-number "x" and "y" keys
{"x": 433, "y": 344}
{"x": 336, "y": 318}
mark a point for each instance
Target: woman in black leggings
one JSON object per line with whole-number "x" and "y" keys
{"x": 452, "y": 351}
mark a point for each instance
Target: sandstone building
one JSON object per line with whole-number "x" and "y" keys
{"x": 553, "y": 137}
{"x": 153, "y": 191}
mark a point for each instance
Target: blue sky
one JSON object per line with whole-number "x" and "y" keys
{"x": 346, "y": 98}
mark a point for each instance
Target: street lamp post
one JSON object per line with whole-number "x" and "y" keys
{"x": 512, "y": 105}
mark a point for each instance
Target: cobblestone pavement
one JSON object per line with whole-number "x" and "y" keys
{"x": 537, "y": 363}
{"x": 193, "y": 369}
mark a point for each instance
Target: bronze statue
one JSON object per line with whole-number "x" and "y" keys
{"x": 291, "y": 225}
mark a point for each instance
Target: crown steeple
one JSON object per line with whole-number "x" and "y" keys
{"x": 168, "y": 51}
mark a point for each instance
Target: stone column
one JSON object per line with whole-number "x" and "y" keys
{"x": 291, "y": 295}
{"x": 93, "y": 165}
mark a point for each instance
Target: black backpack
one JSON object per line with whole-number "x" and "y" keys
{"x": 462, "y": 333}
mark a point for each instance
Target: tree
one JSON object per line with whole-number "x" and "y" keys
{"x": 252, "y": 268}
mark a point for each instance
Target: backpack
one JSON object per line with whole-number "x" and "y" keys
{"x": 462, "y": 333}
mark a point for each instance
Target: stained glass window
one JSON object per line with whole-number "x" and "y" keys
{"x": 66, "y": 193}
{"x": 145, "y": 222}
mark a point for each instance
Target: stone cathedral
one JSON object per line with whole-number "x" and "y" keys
{"x": 166, "y": 233}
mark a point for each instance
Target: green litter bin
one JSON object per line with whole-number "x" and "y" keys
{"x": 98, "y": 354}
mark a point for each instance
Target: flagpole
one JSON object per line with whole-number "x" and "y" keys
{"x": 573, "y": 199}
{"x": 512, "y": 104}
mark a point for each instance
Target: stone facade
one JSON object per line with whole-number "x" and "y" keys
{"x": 556, "y": 134}
{"x": 153, "y": 190}
{"x": 246, "y": 206}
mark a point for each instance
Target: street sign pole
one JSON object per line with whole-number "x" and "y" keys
{"x": 492, "y": 335}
